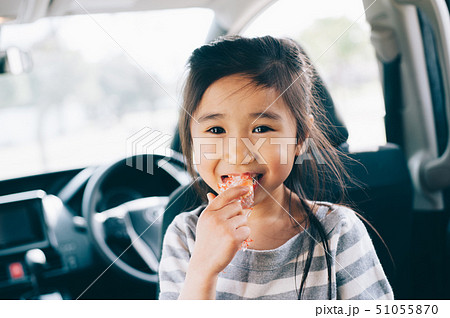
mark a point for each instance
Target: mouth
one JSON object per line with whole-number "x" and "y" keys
{"x": 255, "y": 176}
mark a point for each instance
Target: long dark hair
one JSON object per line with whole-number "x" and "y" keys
{"x": 280, "y": 64}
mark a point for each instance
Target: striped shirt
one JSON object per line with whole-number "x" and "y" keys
{"x": 270, "y": 274}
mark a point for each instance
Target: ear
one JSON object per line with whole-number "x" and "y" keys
{"x": 299, "y": 148}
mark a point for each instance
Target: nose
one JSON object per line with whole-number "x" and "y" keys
{"x": 237, "y": 152}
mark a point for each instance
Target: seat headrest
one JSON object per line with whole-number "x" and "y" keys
{"x": 337, "y": 133}
{"x": 335, "y": 130}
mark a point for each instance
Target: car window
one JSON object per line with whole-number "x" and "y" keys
{"x": 96, "y": 81}
{"x": 336, "y": 36}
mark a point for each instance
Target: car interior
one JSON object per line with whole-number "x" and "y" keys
{"x": 96, "y": 231}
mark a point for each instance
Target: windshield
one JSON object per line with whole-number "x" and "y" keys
{"x": 96, "y": 81}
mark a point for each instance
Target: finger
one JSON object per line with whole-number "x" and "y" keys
{"x": 232, "y": 209}
{"x": 238, "y": 220}
{"x": 210, "y": 197}
{"x": 242, "y": 233}
{"x": 227, "y": 196}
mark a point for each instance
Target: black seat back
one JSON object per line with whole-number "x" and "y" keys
{"x": 185, "y": 198}
{"x": 385, "y": 201}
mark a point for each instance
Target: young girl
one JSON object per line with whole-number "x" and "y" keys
{"x": 249, "y": 110}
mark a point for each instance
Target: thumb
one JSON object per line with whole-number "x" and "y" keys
{"x": 210, "y": 197}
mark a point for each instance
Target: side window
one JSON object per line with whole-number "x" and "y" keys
{"x": 336, "y": 36}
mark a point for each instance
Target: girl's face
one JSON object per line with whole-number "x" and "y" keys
{"x": 236, "y": 132}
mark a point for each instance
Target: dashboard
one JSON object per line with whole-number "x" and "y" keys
{"x": 44, "y": 212}
{"x": 22, "y": 224}
{"x": 37, "y": 220}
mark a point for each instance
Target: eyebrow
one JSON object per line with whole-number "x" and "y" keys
{"x": 266, "y": 114}
{"x": 210, "y": 116}
{"x": 258, "y": 115}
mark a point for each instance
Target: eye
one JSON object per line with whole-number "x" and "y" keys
{"x": 262, "y": 129}
{"x": 216, "y": 130}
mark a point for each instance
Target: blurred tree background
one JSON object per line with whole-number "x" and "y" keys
{"x": 341, "y": 47}
{"x": 344, "y": 57}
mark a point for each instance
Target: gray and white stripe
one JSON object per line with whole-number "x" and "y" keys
{"x": 270, "y": 274}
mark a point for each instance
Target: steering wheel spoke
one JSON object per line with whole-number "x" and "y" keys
{"x": 117, "y": 212}
{"x": 143, "y": 249}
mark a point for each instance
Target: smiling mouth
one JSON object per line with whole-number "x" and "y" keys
{"x": 255, "y": 176}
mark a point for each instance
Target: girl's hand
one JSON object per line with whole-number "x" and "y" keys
{"x": 221, "y": 228}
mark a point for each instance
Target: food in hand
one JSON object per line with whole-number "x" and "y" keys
{"x": 247, "y": 200}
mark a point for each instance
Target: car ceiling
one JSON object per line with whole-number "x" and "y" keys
{"x": 231, "y": 15}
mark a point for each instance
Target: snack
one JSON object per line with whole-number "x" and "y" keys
{"x": 245, "y": 244}
{"x": 247, "y": 200}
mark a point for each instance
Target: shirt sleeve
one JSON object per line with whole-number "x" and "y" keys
{"x": 174, "y": 262}
{"x": 176, "y": 252}
{"x": 359, "y": 274}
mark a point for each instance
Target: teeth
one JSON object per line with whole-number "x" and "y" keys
{"x": 256, "y": 176}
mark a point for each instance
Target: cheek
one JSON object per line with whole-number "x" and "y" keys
{"x": 205, "y": 150}
{"x": 206, "y": 172}
{"x": 279, "y": 162}
{"x": 203, "y": 165}
{"x": 279, "y": 156}
{"x": 206, "y": 167}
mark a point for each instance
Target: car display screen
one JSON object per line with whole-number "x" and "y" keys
{"x": 21, "y": 223}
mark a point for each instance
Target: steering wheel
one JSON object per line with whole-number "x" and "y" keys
{"x": 139, "y": 220}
